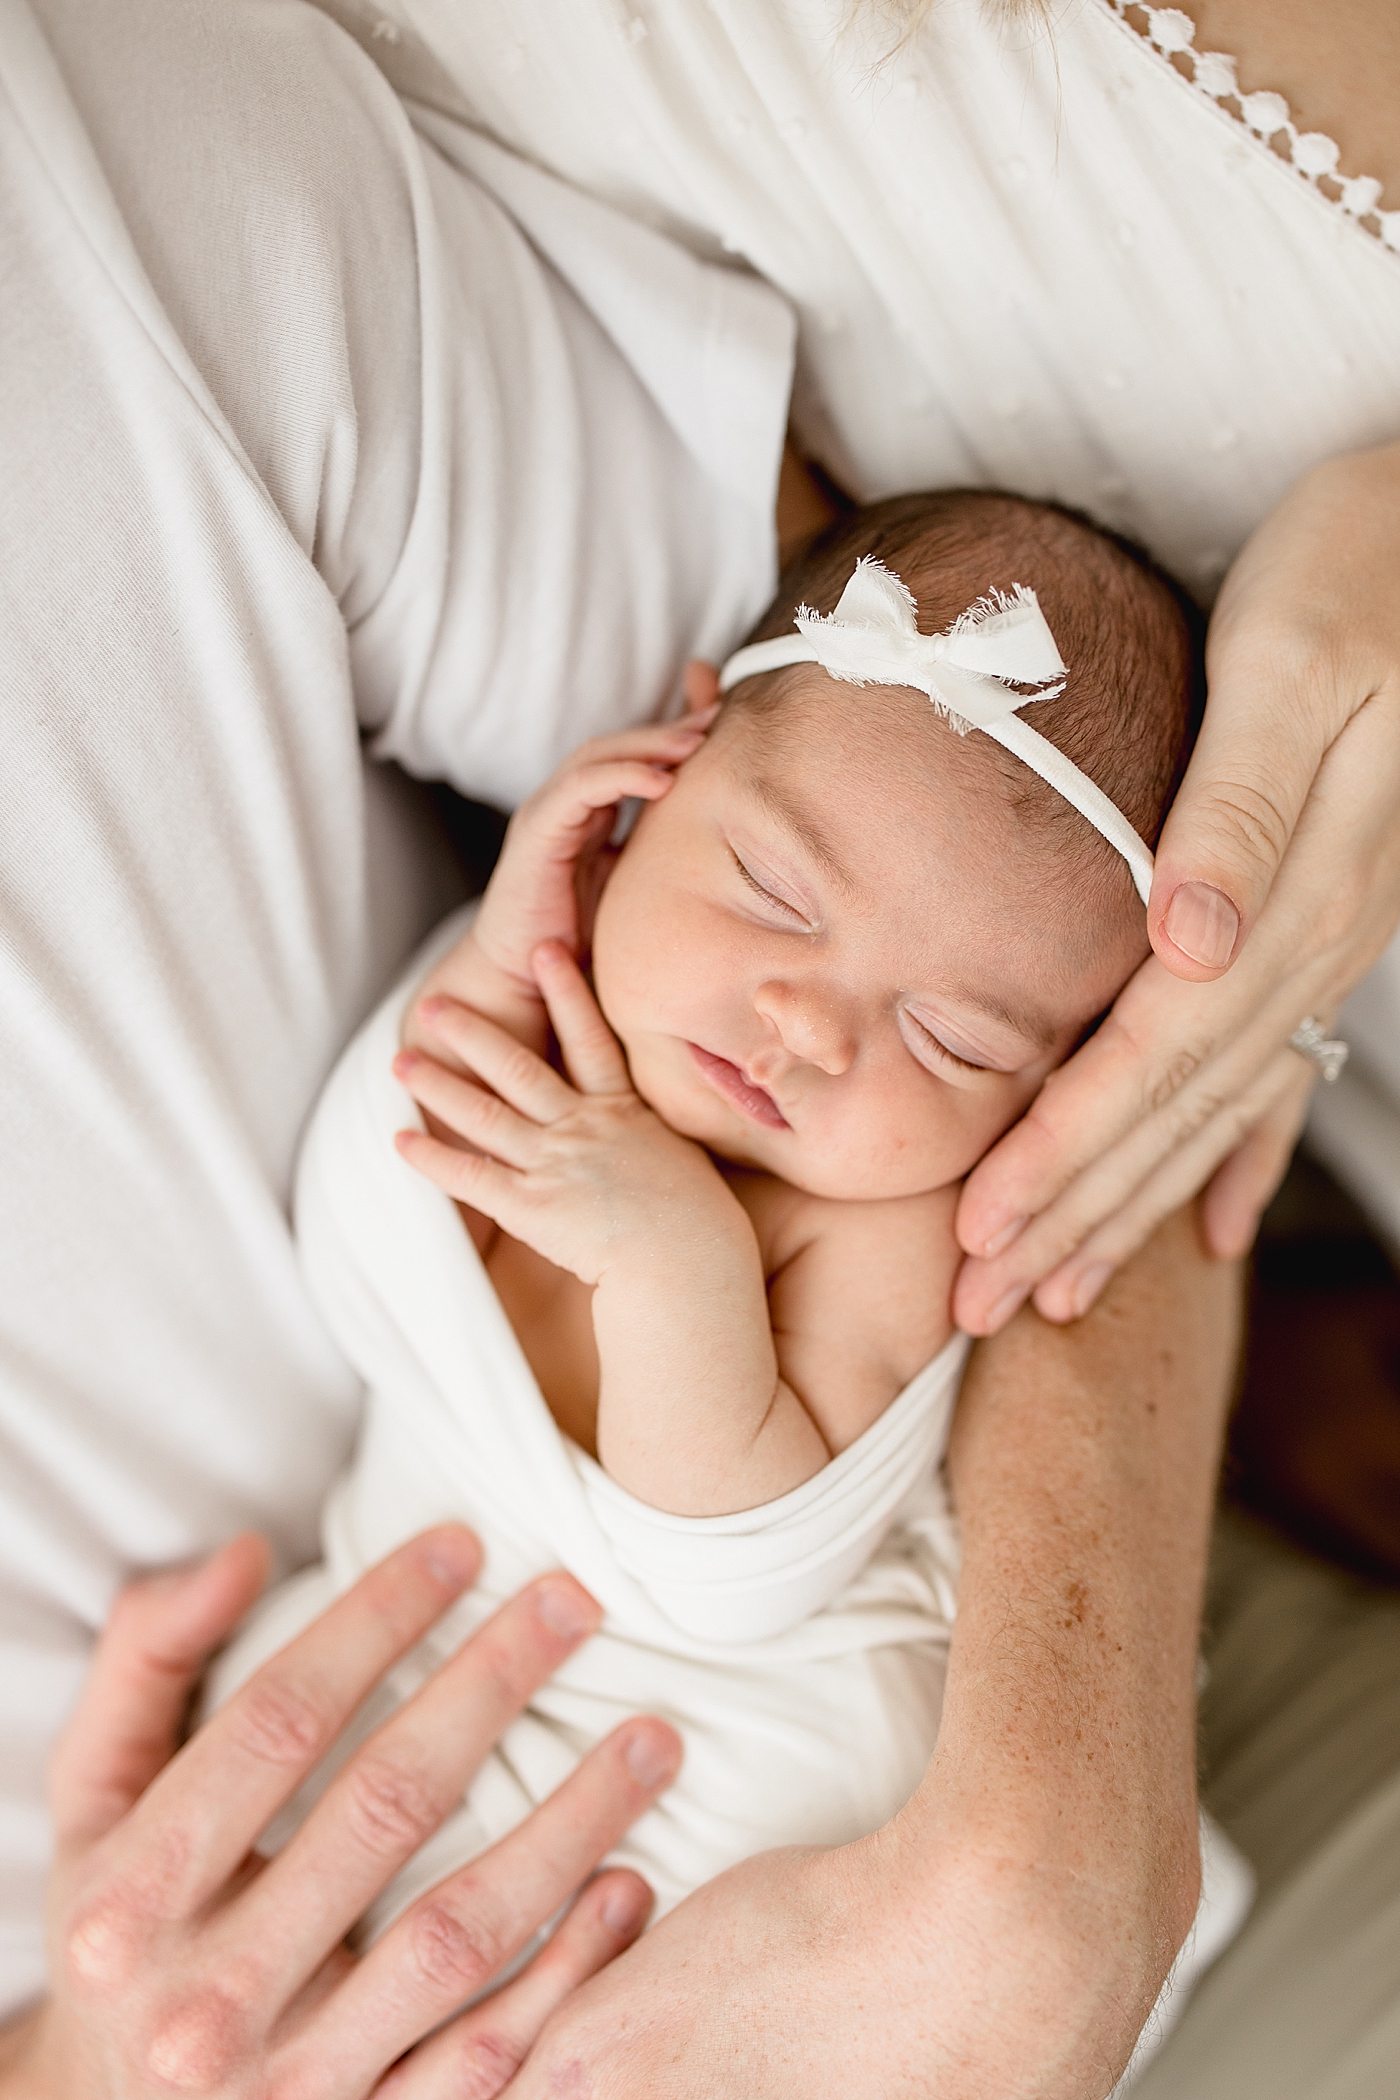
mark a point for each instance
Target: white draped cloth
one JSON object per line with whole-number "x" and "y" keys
{"x": 799, "y": 1646}
{"x": 307, "y": 445}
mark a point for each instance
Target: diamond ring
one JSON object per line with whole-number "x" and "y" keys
{"x": 1329, "y": 1054}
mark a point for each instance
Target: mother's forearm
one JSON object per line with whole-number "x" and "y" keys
{"x": 1084, "y": 1462}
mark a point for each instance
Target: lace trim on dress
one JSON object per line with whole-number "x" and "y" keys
{"x": 1311, "y": 154}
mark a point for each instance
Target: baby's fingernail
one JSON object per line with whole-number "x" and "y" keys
{"x": 701, "y": 717}
{"x": 1011, "y": 1302}
{"x": 405, "y": 1060}
{"x": 432, "y": 1005}
{"x": 626, "y": 1906}
{"x": 1090, "y": 1283}
{"x": 567, "y": 1611}
{"x": 1203, "y": 923}
{"x": 652, "y": 1758}
{"x": 1003, "y": 1238}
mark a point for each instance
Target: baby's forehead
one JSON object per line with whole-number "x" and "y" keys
{"x": 922, "y": 832}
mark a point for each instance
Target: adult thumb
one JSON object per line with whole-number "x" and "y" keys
{"x": 1227, "y": 832}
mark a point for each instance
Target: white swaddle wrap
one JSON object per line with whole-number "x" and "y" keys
{"x": 798, "y": 1647}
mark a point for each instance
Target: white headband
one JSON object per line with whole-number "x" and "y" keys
{"x": 873, "y": 638}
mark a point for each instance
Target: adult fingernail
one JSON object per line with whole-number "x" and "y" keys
{"x": 567, "y": 1610}
{"x": 1091, "y": 1282}
{"x": 626, "y": 1906}
{"x": 1003, "y": 1238}
{"x": 453, "y": 1559}
{"x": 1005, "y": 1306}
{"x": 651, "y": 1758}
{"x": 1203, "y": 923}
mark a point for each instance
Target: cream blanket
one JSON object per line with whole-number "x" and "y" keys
{"x": 799, "y": 1648}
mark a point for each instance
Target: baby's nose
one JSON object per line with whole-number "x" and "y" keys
{"x": 809, "y": 1026}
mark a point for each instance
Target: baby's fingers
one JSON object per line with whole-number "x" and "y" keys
{"x": 467, "y": 1177}
{"x": 509, "y": 1068}
{"x": 592, "y": 1054}
{"x": 483, "y": 1120}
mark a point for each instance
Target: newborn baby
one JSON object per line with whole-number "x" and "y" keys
{"x": 694, "y": 1342}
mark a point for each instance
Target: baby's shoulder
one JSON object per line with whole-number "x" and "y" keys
{"x": 870, "y": 1282}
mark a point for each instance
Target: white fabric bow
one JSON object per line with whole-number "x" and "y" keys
{"x": 873, "y": 638}
{"x": 970, "y": 673}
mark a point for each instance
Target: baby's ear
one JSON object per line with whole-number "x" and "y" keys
{"x": 700, "y": 685}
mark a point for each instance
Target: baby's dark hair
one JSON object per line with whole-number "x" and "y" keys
{"x": 1133, "y": 642}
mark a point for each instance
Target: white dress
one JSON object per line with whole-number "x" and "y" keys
{"x": 1052, "y": 263}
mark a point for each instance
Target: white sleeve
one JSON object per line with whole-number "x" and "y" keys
{"x": 602, "y": 428}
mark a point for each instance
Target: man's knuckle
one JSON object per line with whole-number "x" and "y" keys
{"x": 453, "y": 1952}
{"x": 197, "y": 2039}
{"x": 389, "y": 1810}
{"x": 276, "y": 1723}
{"x": 106, "y": 1938}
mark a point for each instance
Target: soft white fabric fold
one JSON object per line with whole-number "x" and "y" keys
{"x": 798, "y": 1646}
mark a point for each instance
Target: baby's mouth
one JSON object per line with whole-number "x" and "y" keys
{"x": 728, "y": 1080}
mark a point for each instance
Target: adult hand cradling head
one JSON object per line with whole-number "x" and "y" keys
{"x": 1277, "y": 885}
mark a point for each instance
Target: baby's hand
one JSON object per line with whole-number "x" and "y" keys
{"x": 585, "y": 1174}
{"x": 556, "y": 850}
{"x": 553, "y": 864}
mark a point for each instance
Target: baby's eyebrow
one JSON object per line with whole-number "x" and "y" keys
{"x": 796, "y": 821}
{"x": 1032, "y": 1027}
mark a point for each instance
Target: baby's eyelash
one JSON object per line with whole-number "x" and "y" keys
{"x": 754, "y": 884}
{"x": 942, "y": 1048}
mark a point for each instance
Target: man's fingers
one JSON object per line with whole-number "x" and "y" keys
{"x": 591, "y": 1051}
{"x": 475, "y": 2056}
{"x": 205, "y": 1811}
{"x": 449, "y": 1945}
{"x": 394, "y": 1792}
{"x": 126, "y": 1725}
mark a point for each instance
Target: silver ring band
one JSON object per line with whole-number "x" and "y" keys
{"x": 1329, "y": 1054}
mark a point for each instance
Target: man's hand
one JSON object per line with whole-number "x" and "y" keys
{"x": 1006, "y": 1936}
{"x": 182, "y": 1962}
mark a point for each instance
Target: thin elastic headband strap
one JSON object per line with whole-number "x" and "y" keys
{"x": 872, "y": 638}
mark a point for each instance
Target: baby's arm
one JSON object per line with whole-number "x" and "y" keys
{"x": 693, "y": 1415}
{"x": 859, "y": 1295}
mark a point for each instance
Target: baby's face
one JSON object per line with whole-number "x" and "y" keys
{"x": 829, "y": 954}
